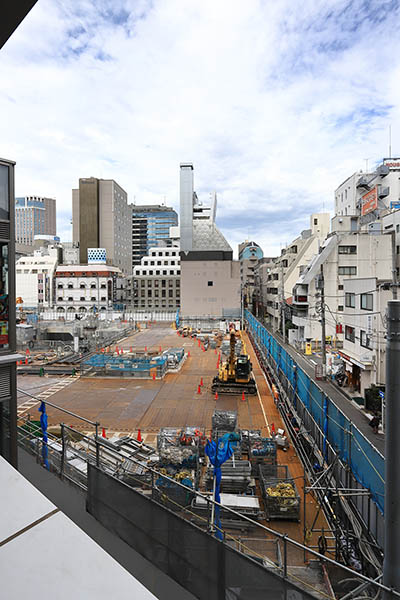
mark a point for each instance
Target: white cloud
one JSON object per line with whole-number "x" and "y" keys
{"x": 275, "y": 103}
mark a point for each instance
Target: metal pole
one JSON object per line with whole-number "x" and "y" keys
{"x": 391, "y": 570}
{"x": 97, "y": 445}
{"x": 62, "y": 450}
{"x": 323, "y": 332}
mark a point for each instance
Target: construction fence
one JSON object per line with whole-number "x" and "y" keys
{"x": 330, "y": 429}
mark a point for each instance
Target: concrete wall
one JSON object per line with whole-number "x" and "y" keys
{"x": 75, "y": 215}
{"x": 199, "y": 298}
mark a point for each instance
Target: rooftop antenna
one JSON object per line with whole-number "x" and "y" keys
{"x": 366, "y": 164}
{"x": 390, "y": 141}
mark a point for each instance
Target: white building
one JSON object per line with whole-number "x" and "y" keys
{"x": 35, "y": 278}
{"x": 156, "y": 282}
{"x": 34, "y": 215}
{"x": 281, "y": 278}
{"x": 364, "y": 343}
{"x": 86, "y": 288}
{"x": 343, "y": 256}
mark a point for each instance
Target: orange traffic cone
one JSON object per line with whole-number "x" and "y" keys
{"x": 243, "y": 397}
{"x": 160, "y": 349}
{"x": 139, "y": 436}
{"x": 199, "y": 389}
{"x": 215, "y": 351}
{"x": 154, "y": 376}
{"x": 130, "y": 350}
{"x": 272, "y": 427}
{"x": 216, "y": 395}
{"x": 189, "y": 354}
{"x": 201, "y": 381}
{"x": 145, "y": 348}
{"x": 103, "y": 433}
{"x": 26, "y": 360}
{"x": 27, "y": 351}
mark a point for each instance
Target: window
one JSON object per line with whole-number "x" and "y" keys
{"x": 366, "y": 301}
{"x": 340, "y": 308}
{"x": 349, "y": 333}
{"x": 60, "y": 286}
{"x": 210, "y": 283}
{"x": 103, "y": 286}
{"x": 315, "y": 221}
{"x": 82, "y": 286}
{"x": 397, "y": 228}
{"x": 347, "y": 250}
{"x": 82, "y": 298}
{"x": 397, "y": 249}
{"x": 170, "y": 293}
{"x": 163, "y": 283}
{"x": 60, "y": 298}
{"x": 350, "y": 300}
{"x": 103, "y": 299}
{"x": 70, "y": 286}
{"x": 4, "y": 195}
{"x": 93, "y": 299}
{"x": 70, "y": 299}
{"x": 92, "y": 286}
{"x": 340, "y": 287}
{"x": 365, "y": 339}
{"x": 347, "y": 271}
{"x": 163, "y": 293}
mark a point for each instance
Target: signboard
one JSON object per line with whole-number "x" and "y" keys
{"x": 395, "y": 204}
{"x": 369, "y": 201}
{"x": 392, "y": 163}
{"x": 308, "y": 349}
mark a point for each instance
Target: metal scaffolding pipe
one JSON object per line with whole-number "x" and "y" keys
{"x": 391, "y": 568}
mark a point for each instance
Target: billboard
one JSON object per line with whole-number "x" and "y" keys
{"x": 392, "y": 163}
{"x": 369, "y": 201}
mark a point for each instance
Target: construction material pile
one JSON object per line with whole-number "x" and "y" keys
{"x": 180, "y": 446}
{"x": 235, "y": 479}
{"x": 224, "y": 420}
{"x": 279, "y": 493}
{"x": 263, "y": 451}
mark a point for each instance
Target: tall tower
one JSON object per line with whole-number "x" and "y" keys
{"x": 186, "y": 206}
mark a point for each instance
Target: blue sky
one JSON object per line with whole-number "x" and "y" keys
{"x": 275, "y": 103}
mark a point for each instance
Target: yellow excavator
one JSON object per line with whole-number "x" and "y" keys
{"x": 235, "y": 374}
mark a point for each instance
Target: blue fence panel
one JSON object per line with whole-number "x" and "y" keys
{"x": 366, "y": 463}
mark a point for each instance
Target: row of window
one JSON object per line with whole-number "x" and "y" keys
{"x": 82, "y": 286}
{"x": 157, "y": 293}
{"x": 156, "y": 283}
{"x": 145, "y": 272}
{"x": 366, "y": 301}
{"x": 347, "y": 270}
{"x": 82, "y": 299}
{"x": 365, "y": 338}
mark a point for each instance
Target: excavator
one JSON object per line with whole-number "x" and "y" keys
{"x": 235, "y": 374}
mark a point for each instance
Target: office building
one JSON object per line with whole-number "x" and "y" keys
{"x": 150, "y": 229}
{"x": 101, "y": 218}
{"x": 34, "y": 278}
{"x": 34, "y": 215}
{"x": 210, "y": 278}
{"x": 156, "y": 281}
{"x": 8, "y": 356}
{"x": 250, "y": 254}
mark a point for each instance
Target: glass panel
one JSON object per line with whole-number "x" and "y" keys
{"x": 4, "y": 296}
{"x": 4, "y": 196}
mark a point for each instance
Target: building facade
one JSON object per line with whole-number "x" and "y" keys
{"x": 364, "y": 343}
{"x": 249, "y": 254}
{"x": 34, "y": 215}
{"x": 150, "y": 229}
{"x": 86, "y": 288}
{"x": 34, "y": 278}
{"x": 210, "y": 279}
{"x": 279, "y": 282}
{"x": 156, "y": 282}
{"x": 8, "y": 356}
{"x": 101, "y": 218}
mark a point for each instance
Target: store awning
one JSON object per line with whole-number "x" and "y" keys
{"x": 350, "y": 361}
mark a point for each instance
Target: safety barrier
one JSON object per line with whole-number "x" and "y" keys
{"x": 353, "y": 448}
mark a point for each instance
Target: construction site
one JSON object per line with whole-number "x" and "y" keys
{"x": 134, "y": 420}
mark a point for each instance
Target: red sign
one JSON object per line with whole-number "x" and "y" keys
{"x": 369, "y": 201}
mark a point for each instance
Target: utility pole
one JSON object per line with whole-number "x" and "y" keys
{"x": 321, "y": 286}
{"x": 391, "y": 570}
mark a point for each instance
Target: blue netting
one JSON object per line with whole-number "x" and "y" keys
{"x": 366, "y": 463}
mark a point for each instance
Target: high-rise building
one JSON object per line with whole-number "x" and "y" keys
{"x": 210, "y": 279}
{"x": 8, "y": 356}
{"x": 34, "y": 215}
{"x": 101, "y": 218}
{"x": 150, "y": 229}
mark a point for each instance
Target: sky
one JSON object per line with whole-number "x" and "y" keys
{"x": 275, "y": 103}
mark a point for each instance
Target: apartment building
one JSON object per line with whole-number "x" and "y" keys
{"x": 101, "y": 218}
{"x": 280, "y": 279}
{"x": 364, "y": 343}
{"x": 343, "y": 256}
{"x": 34, "y": 215}
{"x": 156, "y": 282}
{"x": 151, "y": 228}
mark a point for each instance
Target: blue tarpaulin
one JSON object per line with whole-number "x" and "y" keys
{"x": 218, "y": 454}
{"x": 43, "y": 424}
